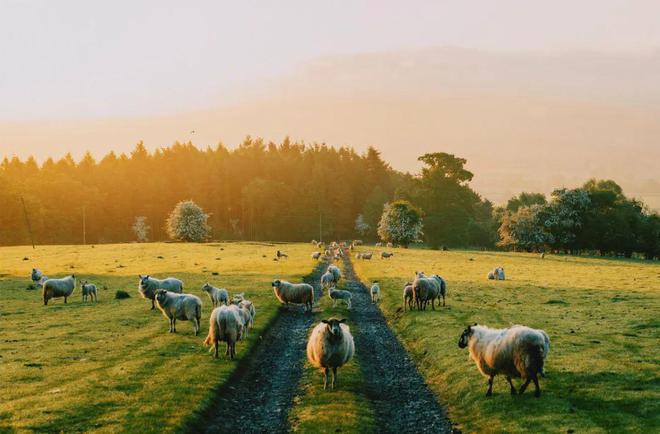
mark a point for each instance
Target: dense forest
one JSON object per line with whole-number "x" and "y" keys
{"x": 297, "y": 192}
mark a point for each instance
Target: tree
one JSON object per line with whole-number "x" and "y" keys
{"x": 401, "y": 223}
{"x": 361, "y": 226}
{"x": 525, "y": 199}
{"x": 523, "y": 229}
{"x": 564, "y": 217}
{"x": 141, "y": 229}
{"x": 188, "y": 222}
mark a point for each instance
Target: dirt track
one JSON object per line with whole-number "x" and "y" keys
{"x": 259, "y": 395}
{"x": 400, "y": 398}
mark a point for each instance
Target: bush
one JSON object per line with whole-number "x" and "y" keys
{"x": 401, "y": 223}
{"x": 187, "y": 222}
{"x": 120, "y": 295}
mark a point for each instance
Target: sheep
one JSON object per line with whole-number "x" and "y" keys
{"x": 88, "y": 290}
{"x": 314, "y": 242}
{"x": 375, "y": 292}
{"x": 328, "y": 279}
{"x": 248, "y": 306}
{"x": 38, "y": 277}
{"x": 358, "y": 255}
{"x": 328, "y": 253}
{"x": 516, "y": 352}
{"x": 542, "y": 256}
{"x": 366, "y": 256}
{"x": 386, "y": 255}
{"x": 319, "y": 245}
{"x": 298, "y": 293}
{"x": 330, "y": 346}
{"x": 149, "y": 285}
{"x": 55, "y": 288}
{"x": 496, "y": 273}
{"x": 408, "y": 296}
{"x": 225, "y": 325}
{"x": 427, "y": 289}
{"x": 389, "y": 245}
{"x": 357, "y": 242}
{"x": 281, "y": 254}
{"x": 179, "y": 306}
{"x": 217, "y": 295}
{"x": 316, "y": 255}
{"x": 379, "y": 244}
{"x": 335, "y": 272}
{"x": 340, "y": 294}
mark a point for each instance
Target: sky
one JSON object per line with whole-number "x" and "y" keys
{"x": 534, "y": 94}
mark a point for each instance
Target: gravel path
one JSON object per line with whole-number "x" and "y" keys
{"x": 259, "y": 395}
{"x": 402, "y": 401}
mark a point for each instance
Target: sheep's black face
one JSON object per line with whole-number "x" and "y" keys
{"x": 161, "y": 295}
{"x": 276, "y": 283}
{"x": 465, "y": 337}
{"x": 334, "y": 326}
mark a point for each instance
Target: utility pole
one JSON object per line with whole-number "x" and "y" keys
{"x": 27, "y": 220}
{"x": 84, "y": 228}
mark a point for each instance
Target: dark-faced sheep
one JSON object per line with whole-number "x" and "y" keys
{"x": 294, "y": 293}
{"x": 185, "y": 307}
{"x": 55, "y": 288}
{"x": 330, "y": 346}
{"x": 515, "y": 352}
{"x": 427, "y": 289}
{"x": 149, "y": 285}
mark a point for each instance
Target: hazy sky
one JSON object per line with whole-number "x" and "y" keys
{"x": 505, "y": 83}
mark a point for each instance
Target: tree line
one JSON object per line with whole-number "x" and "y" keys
{"x": 292, "y": 191}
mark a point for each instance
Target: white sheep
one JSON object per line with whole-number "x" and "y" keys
{"x": 248, "y": 306}
{"x": 375, "y": 292}
{"x": 390, "y": 245}
{"x": 180, "y": 306}
{"x": 427, "y": 289}
{"x": 316, "y": 255}
{"x": 366, "y": 256}
{"x": 340, "y": 294}
{"x": 281, "y": 254}
{"x": 149, "y": 285}
{"x": 297, "y": 293}
{"x": 496, "y": 273}
{"x": 516, "y": 352}
{"x": 218, "y": 296}
{"x": 328, "y": 279}
{"x": 379, "y": 244}
{"x": 330, "y": 346}
{"x": 55, "y": 288}
{"x": 408, "y": 296}
{"x": 225, "y": 325}
{"x": 88, "y": 290}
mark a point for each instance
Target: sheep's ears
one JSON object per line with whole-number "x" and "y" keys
{"x": 325, "y": 321}
{"x": 343, "y": 320}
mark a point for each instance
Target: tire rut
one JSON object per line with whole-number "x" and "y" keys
{"x": 259, "y": 394}
{"x": 401, "y": 399}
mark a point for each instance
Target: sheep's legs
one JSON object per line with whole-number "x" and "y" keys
{"x": 433, "y": 303}
{"x": 537, "y": 391}
{"x": 513, "y": 389}
{"x": 325, "y": 378}
{"x": 174, "y": 325}
{"x": 443, "y": 301}
{"x": 64, "y": 299}
{"x": 334, "y": 376}
{"x": 216, "y": 349}
{"x": 524, "y": 386}
{"x": 490, "y": 386}
{"x": 152, "y": 305}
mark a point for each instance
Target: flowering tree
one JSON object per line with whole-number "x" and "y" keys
{"x": 361, "y": 226}
{"x": 524, "y": 229}
{"x": 401, "y": 223}
{"x": 187, "y": 222}
{"x": 141, "y": 229}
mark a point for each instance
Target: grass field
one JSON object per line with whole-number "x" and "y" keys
{"x": 603, "y": 318}
{"x": 112, "y": 366}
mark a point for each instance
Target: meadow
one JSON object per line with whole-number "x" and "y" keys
{"x": 112, "y": 366}
{"x": 603, "y": 371}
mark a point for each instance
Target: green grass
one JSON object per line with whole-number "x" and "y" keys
{"x": 344, "y": 409}
{"x": 112, "y": 366}
{"x": 603, "y": 371}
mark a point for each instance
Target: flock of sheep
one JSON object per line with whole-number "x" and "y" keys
{"x": 515, "y": 352}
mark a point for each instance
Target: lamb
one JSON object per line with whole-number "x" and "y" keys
{"x": 427, "y": 289}
{"x": 55, "y": 288}
{"x": 150, "y": 285}
{"x": 335, "y": 272}
{"x": 375, "y": 292}
{"x": 408, "y": 296}
{"x": 316, "y": 255}
{"x": 496, "y": 273}
{"x": 328, "y": 279}
{"x": 217, "y": 295}
{"x": 330, "y": 346}
{"x": 281, "y": 254}
{"x": 340, "y": 294}
{"x": 179, "y": 306}
{"x": 248, "y": 306}
{"x": 298, "y": 293}
{"x": 367, "y": 256}
{"x": 386, "y": 255}
{"x": 516, "y": 352}
{"x": 88, "y": 290}
{"x": 225, "y": 325}
{"x": 38, "y": 277}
